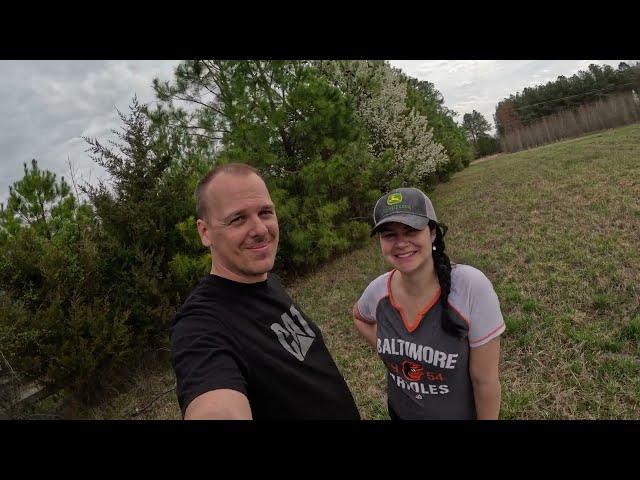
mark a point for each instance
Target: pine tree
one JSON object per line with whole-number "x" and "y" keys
{"x": 300, "y": 131}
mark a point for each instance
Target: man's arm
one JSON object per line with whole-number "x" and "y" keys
{"x": 366, "y": 329}
{"x": 483, "y": 369}
{"x": 220, "y": 404}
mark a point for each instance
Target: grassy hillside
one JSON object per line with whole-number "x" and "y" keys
{"x": 557, "y": 230}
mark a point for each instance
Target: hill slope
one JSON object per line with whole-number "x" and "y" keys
{"x": 557, "y": 230}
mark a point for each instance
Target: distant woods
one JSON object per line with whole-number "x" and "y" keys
{"x": 594, "y": 99}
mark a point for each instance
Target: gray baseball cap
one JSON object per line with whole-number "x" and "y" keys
{"x": 409, "y": 206}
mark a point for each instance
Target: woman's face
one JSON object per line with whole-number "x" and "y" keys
{"x": 406, "y": 248}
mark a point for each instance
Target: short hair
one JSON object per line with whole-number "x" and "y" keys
{"x": 231, "y": 168}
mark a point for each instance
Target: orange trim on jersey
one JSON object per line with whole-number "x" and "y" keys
{"x": 458, "y": 312}
{"x": 410, "y": 328}
{"x": 359, "y": 316}
{"x": 488, "y": 334}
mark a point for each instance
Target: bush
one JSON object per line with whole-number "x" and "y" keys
{"x": 55, "y": 324}
{"x": 487, "y": 146}
{"x": 88, "y": 289}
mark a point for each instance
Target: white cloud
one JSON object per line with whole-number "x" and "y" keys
{"x": 49, "y": 105}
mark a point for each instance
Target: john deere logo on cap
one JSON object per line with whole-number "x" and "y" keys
{"x": 394, "y": 198}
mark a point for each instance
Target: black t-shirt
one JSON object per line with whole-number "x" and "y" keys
{"x": 252, "y": 338}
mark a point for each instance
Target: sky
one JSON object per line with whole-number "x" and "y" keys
{"x": 469, "y": 85}
{"x": 48, "y": 106}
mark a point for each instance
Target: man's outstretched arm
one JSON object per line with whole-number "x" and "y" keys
{"x": 220, "y": 404}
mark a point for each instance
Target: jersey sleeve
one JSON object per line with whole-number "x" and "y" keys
{"x": 204, "y": 357}
{"x": 367, "y": 304}
{"x": 485, "y": 322}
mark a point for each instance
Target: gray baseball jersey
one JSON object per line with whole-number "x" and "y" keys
{"x": 428, "y": 368}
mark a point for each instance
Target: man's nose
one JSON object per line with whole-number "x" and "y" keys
{"x": 258, "y": 227}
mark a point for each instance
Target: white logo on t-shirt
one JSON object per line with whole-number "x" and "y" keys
{"x": 293, "y": 338}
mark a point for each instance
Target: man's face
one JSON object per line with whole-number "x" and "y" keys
{"x": 241, "y": 228}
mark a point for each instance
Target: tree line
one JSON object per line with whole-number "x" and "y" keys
{"x": 596, "y": 83}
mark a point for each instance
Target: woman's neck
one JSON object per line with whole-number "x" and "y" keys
{"x": 416, "y": 283}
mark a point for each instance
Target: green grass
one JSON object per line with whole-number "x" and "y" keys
{"x": 557, "y": 230}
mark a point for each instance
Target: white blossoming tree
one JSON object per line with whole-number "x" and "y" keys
{"x": 379, "y": 93}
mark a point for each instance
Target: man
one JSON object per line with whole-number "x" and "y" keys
{"x": 241, "y": 348}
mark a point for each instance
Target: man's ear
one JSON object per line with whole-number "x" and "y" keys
{"x": 203, "y": 231}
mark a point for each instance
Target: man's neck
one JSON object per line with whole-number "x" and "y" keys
{"x": 221, "y": 271}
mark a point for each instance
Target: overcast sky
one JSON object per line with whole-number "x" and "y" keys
{"x": 47, "y": 106}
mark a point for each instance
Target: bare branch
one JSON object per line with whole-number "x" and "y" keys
{"x": 218, "y": 79}
{"x": 203, "y": 136}
{"x": 7, "y": 362}
{"x": 139, "y": 411}
{"x": 73, "y": 177}
{"x": 194, "y": 127}
{"x": 193, "y": 100}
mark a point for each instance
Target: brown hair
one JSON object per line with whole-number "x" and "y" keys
{"x": 231, "y": 168}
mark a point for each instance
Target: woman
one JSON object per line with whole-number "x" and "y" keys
{"x": 435, "y": 326}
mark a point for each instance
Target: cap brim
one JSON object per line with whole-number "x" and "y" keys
{"x": 414, "y": 221}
